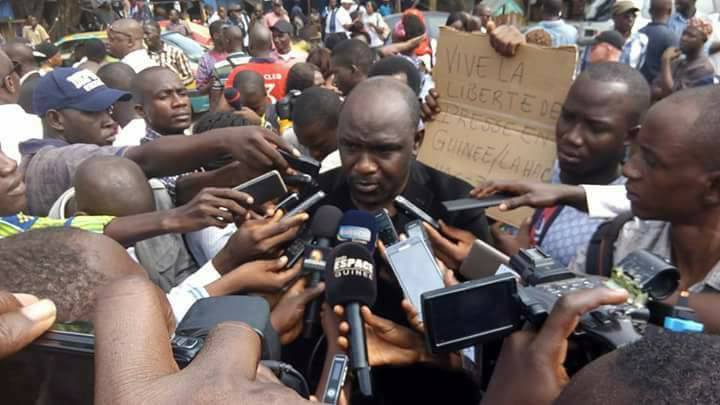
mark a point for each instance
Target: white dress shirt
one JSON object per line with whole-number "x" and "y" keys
{"x": 131, "y": 134}
{"x": 19, "y": 127}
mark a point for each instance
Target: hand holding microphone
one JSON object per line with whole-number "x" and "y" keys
{"x": 351, "y": 282}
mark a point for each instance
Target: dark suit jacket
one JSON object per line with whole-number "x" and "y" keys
{"x": 427, "y": 188}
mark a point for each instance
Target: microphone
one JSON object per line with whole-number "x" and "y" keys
{"x": 359, "y": 227}
{"x": 232, "y": 96}
{"x": 350, "y": 280}
{"x": 323, "y": 227}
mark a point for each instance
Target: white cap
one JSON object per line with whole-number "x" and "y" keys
{"x": 347, "y": 2}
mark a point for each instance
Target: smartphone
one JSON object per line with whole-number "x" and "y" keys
{"x": 473, "y": 203}
{"x": 471, "y": 313}
{"x": 415, "y": 211}
{"x": 296, "y": 250}
{"x": 416, "y": 228}
{"x": 482, "y": 261}
{"x": 303, "y": 164}
{"x": 307, "y": 204}
{"x": 386, "y": 229}
{"x": 287, "y": 202}
{"x": 415, "y": 268}
{"x": 264, "y": 188}
{"x": 336, "y": 379}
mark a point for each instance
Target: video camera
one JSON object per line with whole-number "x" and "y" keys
{"x": 491, "y": 308}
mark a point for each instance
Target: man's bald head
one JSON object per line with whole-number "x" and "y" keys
{"x": 370, "y": 99}
{"x": 10, "y": 89}
{"x": 661, "y": 8}
{"x": 145, "y": 83}
{"x": 260, "y": 39}
{"x": 233, "y": 37}
{"x": 117, "y": 75}
{"x": 128, "y": 26}
{"x": 111, "y": 185}
{"x": 21, "y": 53}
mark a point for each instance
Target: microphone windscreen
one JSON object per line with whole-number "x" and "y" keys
{"x": 350, "y": 275}
{"x": 232, "y": 96}
{"x": 325, "y": 222}
{"x": 359, "y": 227}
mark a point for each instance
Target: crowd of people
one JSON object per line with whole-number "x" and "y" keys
{"x": 121, "y": 215}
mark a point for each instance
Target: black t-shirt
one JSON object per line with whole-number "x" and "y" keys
{"x": 660, "y": 38}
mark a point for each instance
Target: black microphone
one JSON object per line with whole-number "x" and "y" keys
{"x": 350, "y": 281}
{"x": 323, "y": 227}
{"x": 232, "y": 96}
{"x": 360, "y": 227}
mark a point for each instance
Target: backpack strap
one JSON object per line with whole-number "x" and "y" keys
{"x": 601, "y": 249}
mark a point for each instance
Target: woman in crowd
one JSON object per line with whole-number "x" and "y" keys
{"x": 375, "y": 25}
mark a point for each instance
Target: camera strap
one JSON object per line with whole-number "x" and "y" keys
{"x": 542, "y": 220}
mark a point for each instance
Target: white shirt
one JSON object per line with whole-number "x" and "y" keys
{"x": 331, "y": 161}
{"x": 606, "y": 201}
{"x": 183, "y": 296}
{"x": 342, "y": 17}
{"x": 139, "y": 60}
{"x": 18, "y": 127}
{"x": 131, "y": 135}
{"x": 207, "y": 242}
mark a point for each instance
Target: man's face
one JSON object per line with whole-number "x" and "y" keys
{"x": 118, "y": 43}
{"x": 96, "y": 128}
{"x": 346, "y": 77}
{"x": 174, "y": 16}
{"x": 691, "y": 40}
{"x": 624, "y": 22}
{"x": 277, "y": 7}
{"x": 592, "y": 127}
{"x": 665, "y": 181}
{"x": 256, "y": 101}
{"x": 56, "y": 60}
{"x": 332, "y": 3}
{"x": 318, "y": 140}
{"x": 221, "y": 12}
{"x": 33, "y": 22}
{"x": 167, "y": 106}
{"x": 152, "y": 37}
{"x": 281, "y": 41}
{"x": 376, "y": 149}
{"x": 347, "y": 6}
{"x": 12, "y": 187}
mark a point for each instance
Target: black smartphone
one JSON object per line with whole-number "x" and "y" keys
{"x": 473, "y": 203}
{"x": 336, "y": 379}
{"x": 303, "y": 164}
{"x": 264, "y": 188}
{"x": 296, "y": 249}
{"x": 415, "y": 211}
{"x": 386, "y": 229}
{"x": 307, "y": 204}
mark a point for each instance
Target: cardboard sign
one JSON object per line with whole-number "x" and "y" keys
{"x": 498, "y": 114}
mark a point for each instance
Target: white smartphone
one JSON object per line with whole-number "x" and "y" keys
{"x": 415, "y": 268}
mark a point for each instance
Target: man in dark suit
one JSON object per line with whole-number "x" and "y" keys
{"x": 378, "y": 140}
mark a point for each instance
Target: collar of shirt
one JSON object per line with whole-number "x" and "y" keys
{"x": 263, "y": 60}
{"x": 150, "y": 135}
{"x": 34, "y": 145}
{"x": 28, "y": 74}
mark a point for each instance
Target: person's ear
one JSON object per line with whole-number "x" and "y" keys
{"x": 139, "y": 110}
{"x": 419, "y": 138}
{"x": 9, "y": 84}
{"x": 55, "y": 120}
{"x": 711, "y": 196}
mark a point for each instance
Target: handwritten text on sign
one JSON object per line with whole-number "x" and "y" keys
{"x": 499, "y": 114}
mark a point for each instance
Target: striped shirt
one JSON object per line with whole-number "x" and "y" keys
{"x": 14, "y": 224}
{"x": 173, "y": 58}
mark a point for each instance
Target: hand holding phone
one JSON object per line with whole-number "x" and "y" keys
{"x": 264, "y": 188}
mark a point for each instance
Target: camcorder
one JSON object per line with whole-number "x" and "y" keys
{"x": 489, "y": 309}
{"x": 284, "y": 106}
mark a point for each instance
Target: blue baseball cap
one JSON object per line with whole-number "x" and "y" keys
{"x": 75, "y": 89}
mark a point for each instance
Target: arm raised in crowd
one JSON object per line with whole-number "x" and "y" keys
{"x": 212, "y": 207}
{"x": 254, "y": 148}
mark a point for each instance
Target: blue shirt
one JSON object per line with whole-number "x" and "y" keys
{"x": 560, "y": 32}
{"x": 660, "y": 38}
{"x": 385, "y": 9}
{"x": 677, "y": 24}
